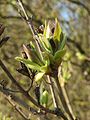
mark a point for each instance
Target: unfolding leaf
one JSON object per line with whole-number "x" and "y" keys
{"x": 45, "y": 29}
{"x": 62, "y": 44}
{"x": 29, "y": 63}
{"x": 45, "y": 43}
{"x": 44, "y": 98}
{"x": 48, "y": 32}
{"x": 57, "y": 31}
{"x": 45, "y": 68}
{"x": 59, "y": 54}
{"x": 49, "y": 57}
{"x": 39, "y": 76}
{"x": 32, "y": 55}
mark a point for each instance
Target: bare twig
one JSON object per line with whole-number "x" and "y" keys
{"x": 29, "y": 21}
{"x": 18, "y": 101}
{"x": 52, "y": 92}
{"x": 17, "y": 108}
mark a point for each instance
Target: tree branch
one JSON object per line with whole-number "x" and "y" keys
{"x": 17, "y": 108}
{"x": 18, "y": 100}
{"x": 26, "y": 93}
{"x": 52, "y": 92}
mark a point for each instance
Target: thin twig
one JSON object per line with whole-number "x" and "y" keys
{"x": 29, "y": 21}
{"x": 18, "y": 100}
{"x": 52, "y": 92}
{"x": 17, "y": 108}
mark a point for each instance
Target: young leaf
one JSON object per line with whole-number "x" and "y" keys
{"x": 44, "y": 98}
{"x": 32, "y": 55}
{"x": 59, "y": 54}
{"x": 44, "y": 33}
{"x": 29, "y": 63}
{"x": 62, "y": 44}
{"x": 45, "y": 43}
{"x": 57, "y": 31}
{"x": 45, "y": 68}
{"x": 48, "y": 32}
{"x": 39, "y": 76}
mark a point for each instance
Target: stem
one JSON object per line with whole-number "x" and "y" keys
{"x": 63, "y": 97}
{"x": 16, "y": 99}
{"x": 52, "y": 91}
{"x": 17, "y": 108}
{"x": 35, "y": 36}
{"x": 54, "y": 96}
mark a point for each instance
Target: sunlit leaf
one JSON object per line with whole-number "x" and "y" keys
{"x": 45, "y": 29}
{"x": 39, "y": 76}
{"x": 57, "y": 31}
{"x": 62, "y": 44}
{"x": 29, "y": 63}
{"x": 45, "y": 43}
{"x": 48, "y": 31}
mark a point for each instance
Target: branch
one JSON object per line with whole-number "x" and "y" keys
{"x": 29, "y": 22}
{"x": 17, "y": 108}
{"x": 52, "y": 92}
{"x": 18, "y": 100}
{"x": 27, "y": 95}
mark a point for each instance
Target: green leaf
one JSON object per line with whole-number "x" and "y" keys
{"x": 62, "y": 44}
{"x": 29, "y": 63}
{"x": 59, "y": 54}
{"x": 39, "y": 76}
{"x": 48, "y": 31}
{"x": 45, "y": 43}
{"x": 44, "y": 98}
{"x": 46, "y": 36}
{"x": 45, "y": 29}
{"x": 57, "y": 31}
{"x": 49, "y": 57}
{"x": 45, "y": 67}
